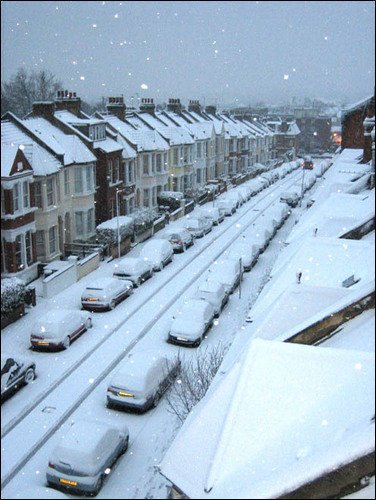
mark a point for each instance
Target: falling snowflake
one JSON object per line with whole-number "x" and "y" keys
{"x": 144, "y": 86}
{"x": 94, "y": 25}
{"x": 82, "y": 78}
{"x": 285, "y": 77}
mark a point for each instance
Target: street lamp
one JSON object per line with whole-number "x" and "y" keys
{"x": 117, "y": 217}
{"x": 301, "y": 192}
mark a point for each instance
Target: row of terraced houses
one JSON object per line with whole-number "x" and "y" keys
{"x": 64, "y": 172}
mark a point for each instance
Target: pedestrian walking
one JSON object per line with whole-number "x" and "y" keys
{"x": 298, "y": 277}
{"x": 315, "y": 231}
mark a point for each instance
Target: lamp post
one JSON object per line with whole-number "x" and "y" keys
{"x": 301, "y": 192}
{"x": 117, "y": 218}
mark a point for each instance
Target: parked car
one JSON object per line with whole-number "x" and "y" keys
{"x": 245, "y": 191}
{"x": 141, "y": 380}
{"x": 227, "y": 272}
{"x": 234, "y": 194}
{"x": 179, "y": 237}
{"x": 308, "y": 163}
{"x": 192, "y": 322}
{"x": 133, "y": 269}
{"x": 198, "y": 226}
{"x": 247, "y": 252}
{"x": 105, "y": 293}
{"x": 16, "y": 371}
{"x": 213, "y": 214}
{"x": 85, "y": 455}
{"x": 58, "y": 328}
{"x": 290, "y": 197}
{"x": 214, "y": 293}
{"x": 158, "y": 253}
{"x": 227, "y": 206}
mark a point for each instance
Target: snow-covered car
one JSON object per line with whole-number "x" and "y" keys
{"x": 16, "y": 371}
{"x": 58, "y": 328}
{"x": 260, "y": 237}
{"x": 158, "y": 253}
{"x": 245, "y": 191}
{"x": 179, "y": 237}
{"x": 227, "y": 206}
{"x": 214, "y": 293}
{"x": 235, "y": 195}
{"x": 85, "y": 455}
{"x": 198, "y": 226}
{"x": 105, "y": 293}
{"x": 213, "y": 214}
{"x": 308, "y": 163}
{"x": 290, "y": 197}
{"x": 134, "y": 269}
{"x": 141, "y": 380}
{"x": 227, "y": 272}
{"x": 247, "y": 252}
{"x": 255, "y": 186}
{"x": 191, "y": 323}
{"x": 264, "y": 182}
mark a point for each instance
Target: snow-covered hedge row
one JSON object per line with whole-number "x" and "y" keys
{"x": 107, "y": 232}
{"x": 143, "y": 219}
{"x": 13, "y": 292}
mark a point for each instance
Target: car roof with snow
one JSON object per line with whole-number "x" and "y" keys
{"x": 131, "y": 264}
{"x": 194, "y": 307}
{"x": 210, "y": 286}
{"x": 103, "y": 284}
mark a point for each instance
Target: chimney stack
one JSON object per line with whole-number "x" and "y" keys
{"x": 116, "y": 106}
{"x": 147, "y": 105}
{"x": 44, "y": 108}
{"x": 211, "y": 110}
{"x": 194, "y": 105}
{"x": 68, "y": 101}
{"x": 174, "y": 106}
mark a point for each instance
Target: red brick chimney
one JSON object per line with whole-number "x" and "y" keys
{"x": 68, "y": 101}
{"x": 210, "y": 110}
{"x": 43, "y": 108}
{"x": 174, "y": 105}
{"x": 147, "y": 105}
{"x": 116, "y": 106}
{"x": 194, "y": 105}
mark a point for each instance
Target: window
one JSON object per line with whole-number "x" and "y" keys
{"x": 28, "y": 248}
{"x": 16, "y": 197}
{"x": 175, "y": 156}
{"x": 110, "y": 172}
{"x": 77, "y": 180}
{"x": 146, "y": 197}
{"x": 25, "y": 194}
{"x": 50, "y": 192}
{"x": 199, "y": 150}
{"x": 79, "y": 217}
{"x": 38, "y": 194}
{"x": 18, "y": 251}
{"x": 159, "y": 163}
{"x": 89, "y": 178}
{"x": 165, "y": 162}
{"x": 90, "y": 221}
{"x": 66, "y": 182}
{"x": 19, "y": 166}
{"x": 39, "y": 236}
{"x": 145, "y": 163}
{"x": 52, "y": 239}
{"x": 117, "y": 170}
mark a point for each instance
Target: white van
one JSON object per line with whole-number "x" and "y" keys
{"x": 141, "y": 380}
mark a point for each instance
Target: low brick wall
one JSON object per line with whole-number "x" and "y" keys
{"x": 87, "y": 265}
{"x": 358, "y": 232}
{"x": 177, "y": 214}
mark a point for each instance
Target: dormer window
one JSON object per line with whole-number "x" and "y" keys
{"x": 97, "y": 132}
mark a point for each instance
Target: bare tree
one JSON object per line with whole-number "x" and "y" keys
{"x": 194, "y": 379}
{"x": 19, "y": 93}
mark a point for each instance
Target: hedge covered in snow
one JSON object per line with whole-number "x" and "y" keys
{"x": 13, "y": 293}
{"x": 107, "y": 232}
{"x": 143, "y": 219}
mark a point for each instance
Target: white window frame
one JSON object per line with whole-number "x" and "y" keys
{"x": 52, "y": 241}
{"x": 16, "y": 197}
{"x": 50, "y": 182}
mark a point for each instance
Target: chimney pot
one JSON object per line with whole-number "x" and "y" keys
{"x": 74, "y": 94}
{"x": 66, "y": 93}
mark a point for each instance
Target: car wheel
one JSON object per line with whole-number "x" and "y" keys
{"x": 138, "y": 282}
{"x": 184, "y": 247}
{"x": 29, "y": 375}
{"x": 88, "y": 323}
{"x": 112, "y": 304}
{"x": 66, "y": 342}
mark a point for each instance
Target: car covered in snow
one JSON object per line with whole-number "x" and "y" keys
{"x": 234, "y": 194}
{"x": 227, "y": 272}
{"x": 191, "y": 323}
{"x": 227, "y": 206}
{"x": 213, "y": 214}
{"x": 179, "y": 237}
{"x": 308, "y": 163}
{"x": 58, "y": 328}
{"x": 134, "y": 269}
{"x": 247, "y": 252}
{"x": 105, "y": 293}
{"x": 16, "y": 371}
{"x": 141, "y": 380}
{"x": 214, "y": 293}
{"x": 290, "y": 197}
{"x": 84, "y": 457}
{"x": 198, "y": 226}
{"x": 158, "y": 253}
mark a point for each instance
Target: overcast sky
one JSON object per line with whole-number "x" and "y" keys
{"x": 218, "y": 52}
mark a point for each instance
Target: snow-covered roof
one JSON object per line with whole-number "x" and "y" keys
{"x": 350, "y": 155}
{"x": 288, "y": 426}
{"x": 199, "y": 130}
{"x": 175, "y": 135}
{"x": 8, "y": 155}
{"x": 69, "y": 145}
{"x": 41, "y": 160}
{"x": 357, "y": 105}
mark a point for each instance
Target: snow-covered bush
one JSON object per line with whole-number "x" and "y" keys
{"x": 107, "y": 232}
{"x": 194, "y": 379}
{"x": 143, "y": 218}
{"x": 13, "y": 292}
